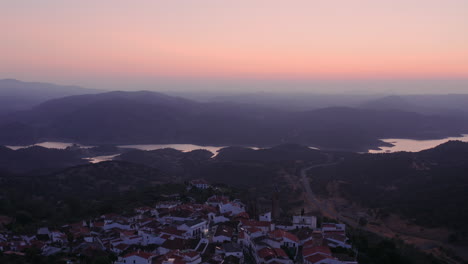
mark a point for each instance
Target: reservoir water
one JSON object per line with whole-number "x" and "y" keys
{"x": 412, "y": 145}
{"x": 399, "y": 144}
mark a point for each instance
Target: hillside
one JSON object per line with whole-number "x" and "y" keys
{"x": 169, "y": 160}
{"x": 428, "y": 187}
{"x": 74, "y": 192}
{"x": 38, "y": 158}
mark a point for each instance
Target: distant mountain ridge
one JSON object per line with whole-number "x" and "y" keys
{"x": 16, "y": 95}
{"x": 154, "y": 118}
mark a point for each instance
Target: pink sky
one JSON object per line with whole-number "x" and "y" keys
{"x": 99, "y": 41}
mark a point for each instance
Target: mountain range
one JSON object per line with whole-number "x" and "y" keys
{"x": 16, "y": 95}
{"x": 145, "y": 117}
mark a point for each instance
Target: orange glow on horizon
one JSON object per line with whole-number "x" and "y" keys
{"x": 246, "y": 39}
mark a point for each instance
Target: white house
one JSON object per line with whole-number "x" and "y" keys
{"x": 217, "y": 218}
{"x": 217, "y": 200}
{"x": 333, "y": 227}
{"x": 194, "y": 228}
{"x": 269, "y": 255}
{"x": 301, "y": 221}
{"x": 283, "y": 238}
{"x": 232, "y": 207}
{"x": 265, "y": 217}
{"x": 200, "y": 184}
{"x": 138, "y": 257}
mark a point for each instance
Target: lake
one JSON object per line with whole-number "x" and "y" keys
{"x": 182, "y": 147}
{"x": 51, "y": 145}
{"x": 400, "y": 144}
{"x": 412, "y": 145}
{"x": 98, "y": 159}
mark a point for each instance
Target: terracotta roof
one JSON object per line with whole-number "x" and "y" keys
{"x": 173, "y": 231}
{"x": 280, "y": 234}
{"x": 317, "y": 258}
{"x": 98, "y": 224}
{"x": 176, "y": 243}
{"x": 316, "y": 250}
{"x": 242, "y": 215}
{"x": 141, "y": 254}
{"x": 336, "y": 237}
{"x": 269, "y": 253}
{"x": 252, "y": 230}
{"x": 223, "y": 230}
{"x": 190, "y": 254}
{"x": 122, "y": 246}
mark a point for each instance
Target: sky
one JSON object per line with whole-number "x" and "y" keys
{"x": 268, "y": 45}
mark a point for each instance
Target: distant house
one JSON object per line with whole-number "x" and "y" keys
{"x": 301, "y": 221}
{"x": 320, "y": 250}
{"x": 138, "y": 257}
{"x": 264, "y": 226}
{"x": 194, "y": 228}
{"x": 272, "y": 255}
{"x": 217, "y": 218}
{"x": 223, "y": 233}
{"x": 43, "y": 233}
{"x": 232, "y": 208}
{"x": 265, "y": 217}
{"x": 283, "y": 238}
{"x": 200, "y": 184}
{"x": 321, "y": 259}
{"x": 217, "y": 200}
{"x": 333, "y": 227}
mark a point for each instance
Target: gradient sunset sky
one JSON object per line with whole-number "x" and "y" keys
{"x": 223, "y": 44}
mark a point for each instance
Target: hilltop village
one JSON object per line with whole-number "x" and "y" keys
{"x": 174, "y": 232}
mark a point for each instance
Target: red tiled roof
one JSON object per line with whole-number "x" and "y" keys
{"x": 165, "y": 236}
{"x": 176, "y": 243}
{"x": 141, "y": 254}
{"x": 336, "y": 237}
{"x": 316, "y": 250}
{"x": 279, "y": 234}
{"x": 252, "y": 230}
{"x": 223, "y": 230}
{"x": 317, "y": 258}
{"x": 190, "y": 254}
{"x": 242, "y": 215}
{"x": 98, "y": 224}
{"x": 122, "y": 246}
{"x": 269, "y": 253}
{"x": 173, "y": 231}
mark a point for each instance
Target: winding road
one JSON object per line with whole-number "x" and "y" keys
{"x": 308, "y": 191}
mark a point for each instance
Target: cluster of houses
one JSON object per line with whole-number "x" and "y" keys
{"x": 171, "y": 232}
